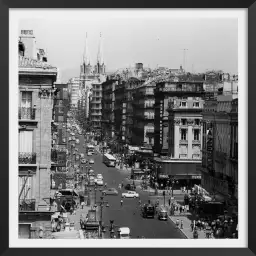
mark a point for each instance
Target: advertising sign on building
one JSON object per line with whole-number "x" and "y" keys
{"x": 209, "y": 146}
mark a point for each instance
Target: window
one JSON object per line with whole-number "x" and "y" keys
{"x": 183, "y": 103}
{"x": 196, "y": 134}
{"x": 183, "y": 134}
{"x": 183, "y": 121}
{"x": 196, "y": 104}
{"x": 197, "y": 121}
{"x": 26, "y": 100}
{"x": 28, "y": 190}
{"x": 25, "y": 141}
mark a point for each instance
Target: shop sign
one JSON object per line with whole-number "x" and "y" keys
{"x": 163, "y": 176}
{"x": 196, "y": 177}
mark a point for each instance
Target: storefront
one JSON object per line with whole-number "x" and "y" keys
{"x": 178, "y": 173}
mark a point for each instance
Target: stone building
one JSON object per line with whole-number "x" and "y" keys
{"x": 108, "y": 105}
{"x": 36, "y": 87}
{"x": 143, "y": 114}
{"x": 220, "y": 146}
{"x": 178, "y": 130}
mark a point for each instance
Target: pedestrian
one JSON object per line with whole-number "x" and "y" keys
{"x": 192, "y": 225}
{"x": 177, "y": 223}
{"x": 82, "y": 205}
{"x": 121, "y": 202}
{"x": 169, "y": 201}
{"x": 181, "y": 224}
{"x": 180, "y": 210}
{"x": 183, "y": 208}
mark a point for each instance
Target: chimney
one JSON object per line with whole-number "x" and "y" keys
{"x": 28, "y": 39}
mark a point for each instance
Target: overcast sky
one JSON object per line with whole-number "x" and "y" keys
{"x": 155, "y": 39}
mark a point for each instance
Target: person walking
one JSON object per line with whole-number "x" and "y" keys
{"x": 177, "y": 223}
{"x": 180, "y": 210}
{"x": 181, "y": 224}
{"x": 82, "y": 205}
{"x": 121, "y": 202}
{"x": 169, "y": 201}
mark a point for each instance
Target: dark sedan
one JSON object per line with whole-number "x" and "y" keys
{"x": 130, "y": 187}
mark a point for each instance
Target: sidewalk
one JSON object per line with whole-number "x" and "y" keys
{"x": 186, "y": 217}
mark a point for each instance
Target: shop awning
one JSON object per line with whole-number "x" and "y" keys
{"x": 181, "y": 170}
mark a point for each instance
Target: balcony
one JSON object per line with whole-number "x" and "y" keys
{"x": 150, "y": 131}
{"x": 27, "y": 205}
{"x": 149, "y": 105}
{"x": 183, "y": 142}
{"x": 149, "y": 117}
{"x": 196, "y": 142}
{"x": 27, "y": 113}
{"x": 27, "y": 158}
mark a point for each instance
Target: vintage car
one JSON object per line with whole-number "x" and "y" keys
{"x": 130, "y": 194}
{"x": 110, "y": 191}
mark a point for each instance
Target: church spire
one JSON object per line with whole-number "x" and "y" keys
{"x": 100, "y": 54}
{"x": 86, "y": 57}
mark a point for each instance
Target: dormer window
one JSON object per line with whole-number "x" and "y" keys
{"x": 183, "y": 104}
{"x": 196, "y": 104}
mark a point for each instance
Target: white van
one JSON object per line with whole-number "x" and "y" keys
{"x": 124, "y": 233}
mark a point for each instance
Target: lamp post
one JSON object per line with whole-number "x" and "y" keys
{"x": 172, "y": 179}
{"x": 101, "y": 204}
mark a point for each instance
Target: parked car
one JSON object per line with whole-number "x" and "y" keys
{"x": 130, "y": 187}
{"x": 91, "y": 161}
{"x": 99, "y": 176}
{"x": 110, "y": 191}
{"x": 99, "y": 182}
{"x": 130, "y": 194}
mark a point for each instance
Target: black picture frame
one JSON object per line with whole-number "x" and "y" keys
{"x": 4, "y": 127}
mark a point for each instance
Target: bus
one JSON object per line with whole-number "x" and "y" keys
{"x": 90, "y": 150}
{"x": 109, "y": 160}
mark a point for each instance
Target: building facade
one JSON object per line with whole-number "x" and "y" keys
{"x": 178, "y": 131}
{"x": 74, "y": 90}
{"x": 36, "y": 88}
{"x": 108, "y": 106}
{"x": 143, "y": 114}
{"x": 220, "y": 147}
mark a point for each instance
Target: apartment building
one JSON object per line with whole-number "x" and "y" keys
{"x": 178, "y": 130}
{"x": 143, "y": 114}
{"x": 220, "y": 146}
{"x": 36, "y": 87}
{"x": 108, "y": 105}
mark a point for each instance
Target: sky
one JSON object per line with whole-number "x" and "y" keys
{"x": 154, "y": 38}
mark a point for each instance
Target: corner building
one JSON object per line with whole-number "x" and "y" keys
{"x": 36, "y": 88}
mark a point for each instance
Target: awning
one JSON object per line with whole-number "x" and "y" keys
{"x": 180, "y": 170}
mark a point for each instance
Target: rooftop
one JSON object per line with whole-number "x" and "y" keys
{"x": 25, "y": 62}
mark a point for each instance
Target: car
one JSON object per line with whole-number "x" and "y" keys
{"x": 89, "y": 154}
{"x": 130, "y": 187}
{"x": 110, "y": 191}
{"x": 91, "y": 161}
{"x": 99, "y": 182}
{"x": 99, "y": 176}
{"x": 69, "y": 138}
{"x": 64, "y": 140}
{"x": 130, "y": 194}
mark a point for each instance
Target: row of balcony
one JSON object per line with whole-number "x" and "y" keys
{"x": 27, "y": 113}
{"x": 27, "y": 205}
{"x": 193, "y": 142}
{"x": 27, "y": 158}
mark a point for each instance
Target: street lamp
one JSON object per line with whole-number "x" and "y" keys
{"x": 101, "y": 203}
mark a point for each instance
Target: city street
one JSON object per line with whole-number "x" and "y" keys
{"x": 127, "y": 215}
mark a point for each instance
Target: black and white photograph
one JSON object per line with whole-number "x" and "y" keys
{"x": 127, "y": 127}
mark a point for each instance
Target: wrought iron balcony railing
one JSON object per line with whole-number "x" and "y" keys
{"x": 27, "y": 205}
{"x": 27, "y": 113}
{"x": 27, "y": 158}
